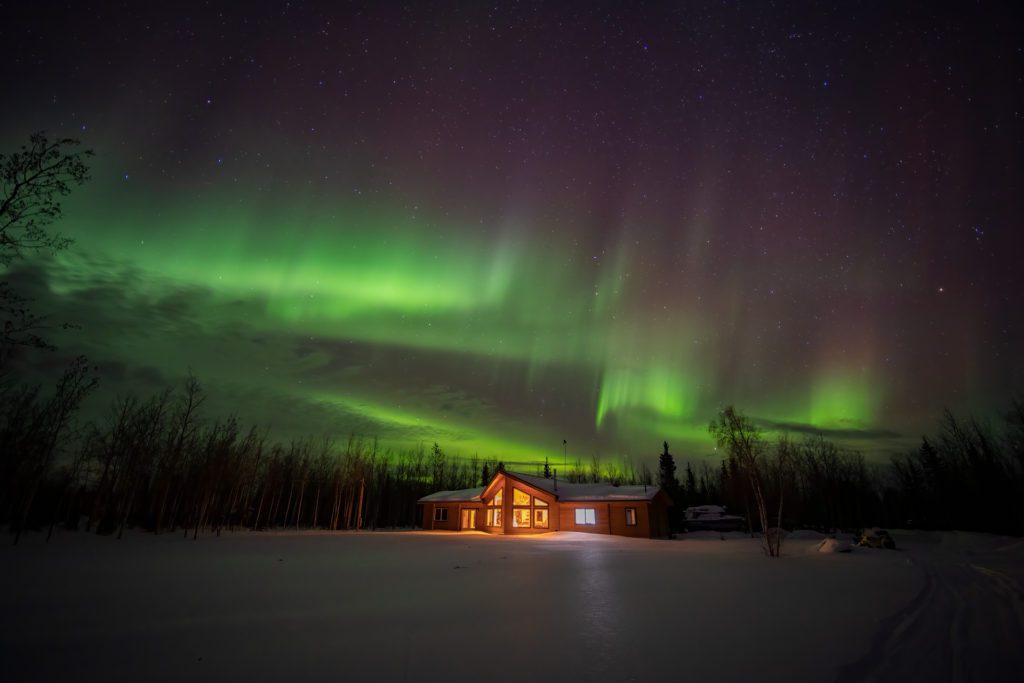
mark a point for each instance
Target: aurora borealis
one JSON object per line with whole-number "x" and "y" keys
{"x": 501, "y": 226}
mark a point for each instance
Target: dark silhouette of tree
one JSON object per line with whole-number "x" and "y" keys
{"x": 547, "y": 468}
{"x": 438, "y": 462}
{"x": 691, "y": 486}
{"x": 742, "y": 440}
{"x": 670, "y": 485}
{"x": 160, "y": 464}
{"x": 32, "y": 182}
{"x": 50, "y": 424}
{"x": 485, "y": 475}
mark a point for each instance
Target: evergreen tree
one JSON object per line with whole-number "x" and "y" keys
{"x": 935, "y": 495}
{"x": 547, "y": 468}
{"x": 670, "y": 485}
{"x": 485, "y": 475}
{"x": 691, "y": 486}
{"x": 437, "y": 466}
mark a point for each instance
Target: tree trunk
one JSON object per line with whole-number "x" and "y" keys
{"x": 359, "y": 509}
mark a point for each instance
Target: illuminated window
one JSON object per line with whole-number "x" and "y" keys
{"x": 440, "y": 514}
{"x": 586, "y": 516}
{"x": 539, "y": 503}
{"x": 521, "y": 517}
{"x": 540, "y": 518}
{"x": 494, "y": 510}
{"x": 630, "y": 516}
{"x": 520, "y": 498}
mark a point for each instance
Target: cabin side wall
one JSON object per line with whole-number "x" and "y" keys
{"x": 567, "y": 517}
{"x": 642, "y": 528}
{"x": 454, "y": 521}
{"x": 658, "y": 513}
{"x": 610, "y": 518}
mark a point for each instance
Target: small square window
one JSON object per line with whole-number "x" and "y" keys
{"x": 440, "y": 514}
{"x": 586, "y": 516}
{"x": 630, "y": 516}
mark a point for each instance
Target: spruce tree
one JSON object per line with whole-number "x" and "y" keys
{"x": 691, "y": 485}
{"x": 547, "y": 468}
{"x": 670, "y": 485}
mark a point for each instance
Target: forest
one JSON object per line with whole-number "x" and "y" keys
{"x": 163, "y": 465}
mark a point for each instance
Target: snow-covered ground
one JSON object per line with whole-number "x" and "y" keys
{"x": 434, "y": 606}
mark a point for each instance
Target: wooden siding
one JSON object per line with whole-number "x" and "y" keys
{"x": 610, "y": 517}
{"x": 506, "y": 484}
{"x": 454, "y": 515}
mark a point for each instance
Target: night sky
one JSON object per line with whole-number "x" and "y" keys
{"x": 501, "y": 225}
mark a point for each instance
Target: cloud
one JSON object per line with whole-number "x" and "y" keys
{"x": 840, "y": 433}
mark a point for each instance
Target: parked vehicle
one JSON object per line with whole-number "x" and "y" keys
{"x": 711, "y": 518}
{"x": 876, "y": 538}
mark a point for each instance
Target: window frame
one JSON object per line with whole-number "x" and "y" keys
{"x": 441, "y": 513}
{"x": 592, "y": 516}
{"x": 496, "y": 510}
{"x": 494, "y": 517}
{"x": 529, "y": 517}
{"x": 630, "y": 510}
{"x": 518, "y": 493}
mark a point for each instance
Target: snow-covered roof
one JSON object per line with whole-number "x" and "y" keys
{"x": 461, "y": 496}
{"x": 565, "y": 491}
{"x": 578, "y": 492}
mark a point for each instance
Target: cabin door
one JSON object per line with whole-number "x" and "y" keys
{"x": 468, "y": 519}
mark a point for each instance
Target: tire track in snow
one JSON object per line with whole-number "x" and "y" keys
{"x": 965, "y": 624}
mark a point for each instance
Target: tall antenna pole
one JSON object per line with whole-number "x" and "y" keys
{"x": 565, "y": 447}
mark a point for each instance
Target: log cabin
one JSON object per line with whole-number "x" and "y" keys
{"x": 514, "y": 503}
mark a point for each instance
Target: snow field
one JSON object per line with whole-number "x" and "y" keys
{"x": 439, "y": 606}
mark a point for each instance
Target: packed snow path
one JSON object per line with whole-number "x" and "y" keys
{"x": 966, "y": 623}
{"x": 436, "y": 606}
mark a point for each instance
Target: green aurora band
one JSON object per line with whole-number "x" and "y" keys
{"x": 589, "y": 330}
{"x": 472, "y": 226}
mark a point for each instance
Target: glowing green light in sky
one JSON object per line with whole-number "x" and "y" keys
{"x": 843, "y": 400}
{"x": 658, "y": 388}
{"x": 540, "y": 344}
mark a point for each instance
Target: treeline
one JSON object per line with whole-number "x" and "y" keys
{"x": 781, "y": 483}
{"x": 161, "y": 465}
{"x": 820, "y": 485}
{"x": 969, "y": 477}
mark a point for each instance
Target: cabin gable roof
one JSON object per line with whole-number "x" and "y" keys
{"x": 560, "y": 491}
{"x": 460, "y": 496}
{"x": 600, "y": 492}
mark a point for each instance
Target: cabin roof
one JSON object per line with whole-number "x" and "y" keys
{"x": 461, "y": 496}
{"x": 568, "y": 492}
